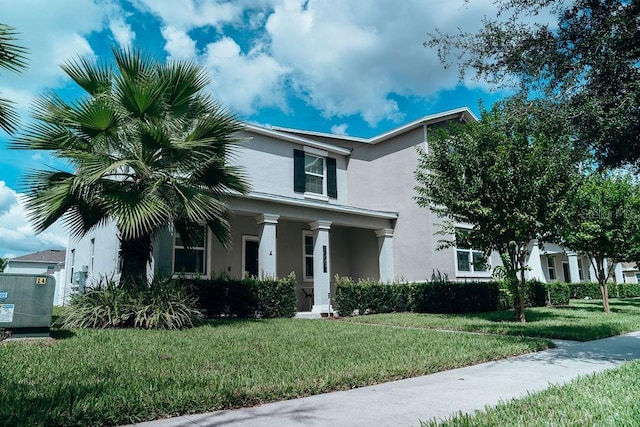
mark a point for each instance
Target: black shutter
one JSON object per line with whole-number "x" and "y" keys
{"x": 332, "y": 178}
{"x": 298, "y": 171}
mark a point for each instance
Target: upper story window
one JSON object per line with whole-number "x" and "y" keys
{"x": 314, "y": 174}
{"x": 190, "y": 260}
{"x": 468, "y": 260}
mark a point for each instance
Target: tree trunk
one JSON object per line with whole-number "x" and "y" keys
{"x": 605, "y": 297}
{"x": 135, "y": 255}
{"x": 602, "y": 280}
{"x": 522, "y": 290}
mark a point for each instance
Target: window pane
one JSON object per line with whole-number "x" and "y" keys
{"x": 313, "y": 184}
{"x": 308, "y": 266}
{"x": 313, "y": 164}
{"x": 461, "y": 239}
{"x": 479, "y": 262}
{"x": 308, "y": 245}
{"x": 463, "y": 261}
{"x": 199, "y": 238}
{"x": 188, "y": 261}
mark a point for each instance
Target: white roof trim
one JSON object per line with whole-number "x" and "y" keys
{"x": 298, "y": 140}
{"x": 318, "y": 205}
{"x": 463, "y": 113}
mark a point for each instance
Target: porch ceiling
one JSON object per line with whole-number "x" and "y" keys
{"x": 310, "y": 210}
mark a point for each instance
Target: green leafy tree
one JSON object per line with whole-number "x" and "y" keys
{"x": 148, "y": 150}
{"x": 3, "y": 264}
{"x": 506, "y": 175}
{"x": 599, "y": 223}
{"x": 586, "y": 58}
{"x": 12, "y": 58}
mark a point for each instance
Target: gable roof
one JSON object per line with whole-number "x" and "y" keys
{"x": 463, "y": 114}
{"x": 50, "y": 255}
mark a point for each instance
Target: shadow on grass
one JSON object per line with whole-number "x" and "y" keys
{"x": 61, "y": 334}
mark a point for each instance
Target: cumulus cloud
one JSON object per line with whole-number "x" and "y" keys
{"x": 342, "y": 58}
{"x": 16, "y": 234}
{"x": 248, "y": 81}
{"x": 340, "y": 129}
{"x": 178, "y": 43}
{"x": 121, "y": 31}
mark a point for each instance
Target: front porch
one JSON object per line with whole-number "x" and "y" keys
{"x": 551, "y": 263}
{"x": 275, "y": 236}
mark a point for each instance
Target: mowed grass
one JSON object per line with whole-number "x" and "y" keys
{"x": 110, "y": 377}
{"x": 582, "y": 320}
{"x": 608, "y": 399}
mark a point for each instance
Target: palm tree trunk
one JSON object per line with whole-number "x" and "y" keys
{"x": 135, "y": 255}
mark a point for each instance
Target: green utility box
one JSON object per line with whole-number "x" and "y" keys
{"x": 26, "y": 304}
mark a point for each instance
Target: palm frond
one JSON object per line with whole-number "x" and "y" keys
{"x": 8, "y": 116}
{"x": 13, "y": 57}
{"x": 92, "y": 77}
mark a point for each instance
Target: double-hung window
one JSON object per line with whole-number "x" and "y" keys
{"x": 314, "y": 174}
{"x": 190, "y": 260}
{"x": 307, "y": 255}
{"x": 551, "y": 267}
{"x": 468, "y": 260}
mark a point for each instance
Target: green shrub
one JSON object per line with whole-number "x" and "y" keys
{"x": 627, "y": 290}
{"x": 455, "y": 297}
{"x": 582, "y": 290}
{"x": 368, "y": 296}
{"x": 163, "y": 305}
{"x": 273, "y": 297}
{"x": 223, "y": 296}
{"x": 541, "y": 294}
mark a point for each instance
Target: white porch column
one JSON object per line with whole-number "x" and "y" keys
{"x": 618, "y": 273}
{"x": 535, "y": 264}
{"x": 267, "y": 245}
{"x": 574, "y": 270}
{"x": 385, "y": 254}
{"x": 321, "y": 267}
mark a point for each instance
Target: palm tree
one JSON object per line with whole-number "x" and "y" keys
{"x": 12, "y": 58}
{"x": 148, "y": 150}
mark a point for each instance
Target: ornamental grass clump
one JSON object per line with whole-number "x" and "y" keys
{"x": 163, "y": 304}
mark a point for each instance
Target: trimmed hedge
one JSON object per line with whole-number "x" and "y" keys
{"x": 591, "y": 290}
{"x": 367, "y": 297}
{"x": 455, "y": 297}
{"x": 371, "y": 297}
{"x": 247, "y": 298}
{"x": 540, "y": 294}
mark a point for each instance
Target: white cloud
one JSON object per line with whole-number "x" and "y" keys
{"x": 340, "y": 129}
{"x": 16, "y": 234}
{"x": 188, "y": 14}
{"x": 121, "y": 31}
{"x": 245, "y": 81}
{"x": 178, "y": 44}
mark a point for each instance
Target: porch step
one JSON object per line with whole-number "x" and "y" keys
{"x": 307, "y": 315}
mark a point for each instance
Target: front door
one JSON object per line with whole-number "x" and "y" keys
{"x": 250, "y": 255}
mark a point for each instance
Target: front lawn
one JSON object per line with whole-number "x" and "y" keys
{"x": 607, "y": 399}
{"x": 582, "y": 320}
{"x": 110, "y": 377}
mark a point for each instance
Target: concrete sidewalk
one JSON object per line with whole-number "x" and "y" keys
{"x": 406, "y": 402}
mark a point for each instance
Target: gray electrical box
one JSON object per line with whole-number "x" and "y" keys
{"x": 26, "y": 304}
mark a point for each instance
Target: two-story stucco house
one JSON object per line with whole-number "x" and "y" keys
{"x": 320, "y": 205}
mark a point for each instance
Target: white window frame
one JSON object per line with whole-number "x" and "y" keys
{"x": 248, "y": 238}
{"x": 92, "y": 252}
{"x": 320, "y": 154}
{"x": 205, "y": 261}
{"x": 551, "y": 268}
{"x": 580, "y": 270}
{"x": 470, "y": 252}
{"x": 305, "y": 234}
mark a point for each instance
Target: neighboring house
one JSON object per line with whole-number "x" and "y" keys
{"x": 49, "y": 262}
{"x": 320, "y": 205}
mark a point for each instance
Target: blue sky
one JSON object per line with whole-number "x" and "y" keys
{"x": 342, "y": 66}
